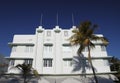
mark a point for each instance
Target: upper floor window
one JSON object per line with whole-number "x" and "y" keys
{"x": 14, "y": 48}
{"x": 29, "y": 49}
{"x": 67, "y": 62}
{"x": 48, "y": 33}
{"x": 65, "y": 33}
{"x": 66, "y": 48}
{"x": 106, "y": 62}
{"x": 48, "y": 48}
{"x": 47, "y": 62}
{"x": 103, "y": 48}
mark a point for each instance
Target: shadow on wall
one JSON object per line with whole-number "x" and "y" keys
{"x": 16, "y": 79}
{"x": 80, "y": 63}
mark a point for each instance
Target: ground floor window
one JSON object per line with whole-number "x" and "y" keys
{"x": 12, "y": 62}
{"x": 28, "y": 62}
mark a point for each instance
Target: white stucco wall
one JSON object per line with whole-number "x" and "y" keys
{"x": 60, "y": 51}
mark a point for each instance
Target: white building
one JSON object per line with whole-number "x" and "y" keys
{"x": 50, "y": 53}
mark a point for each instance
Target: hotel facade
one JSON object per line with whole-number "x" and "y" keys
{"x": 50, "y": 53}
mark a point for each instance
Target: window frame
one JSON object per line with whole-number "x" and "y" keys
{"x": 27, "y": 61}
{"x": 29, "y": 48}
{"x": 48, "y": 48}
{"x": 47, "y": 62}
{"x": 12, "y": 62}
{"x": 14, "y": 48}
{"x": 68, "y": 62}
{"x": 103, "y": 48}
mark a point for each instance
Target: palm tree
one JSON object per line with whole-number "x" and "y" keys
{"x": 26, "y": 70}
{"x": 3, "y": 64}
{"x": 83, "y": 36}
{"x": 115, "y": 66}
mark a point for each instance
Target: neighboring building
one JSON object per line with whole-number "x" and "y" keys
{"x": 50, "y": 53}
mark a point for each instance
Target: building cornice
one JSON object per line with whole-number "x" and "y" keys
{"x": 13, "y": 44}
{"x": 18, "y": 58}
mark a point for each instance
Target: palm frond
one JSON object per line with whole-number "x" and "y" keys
{"x": 105, "y": 40}
{"x": 80, "y": 49}
{"x": 91, "y": 30}
{"x": 35, "y": 72}
{"x": 91, "y": 45}
{"x": 75, "y": 39}
{"x": 84, "y": 26}
{"x": 75, "y": 31}
{"x": 95, "y": 37}
{"x": 19, "y": 66}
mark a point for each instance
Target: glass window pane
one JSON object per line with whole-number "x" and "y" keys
{"x": 103, "y": 48}
{"x": 29, "y": 49}
{"x": 67, "y": 62}
{"x": 47, "y": 48}
{"x": 47, "y": 62}
{"x": 14, "y": 48}
{"x": 66, "y": 49}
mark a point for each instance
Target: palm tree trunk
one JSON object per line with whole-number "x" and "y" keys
{"x": 89, "y": 58}
{"x": 25, "y": 79}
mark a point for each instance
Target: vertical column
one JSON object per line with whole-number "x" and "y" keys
{"x": 38, "y": 61}
{"x": 58, "y": 56}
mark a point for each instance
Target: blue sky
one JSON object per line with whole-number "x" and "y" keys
{"x": 23, "y": 17}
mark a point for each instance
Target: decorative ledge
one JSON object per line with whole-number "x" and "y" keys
{"x": 13, "y": 44}
{"x": 57, "y": 29}
{"x": 40, "y": 29}
{"x": 106, "y": 57}
{"x": 48, "y": 44}
{"x": 66, "y": 44}
{"x": 18, "y": 58}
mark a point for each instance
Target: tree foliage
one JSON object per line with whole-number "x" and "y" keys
{"x": 115, "y": 66}
{"x": 27, "y": 70}
{"x": 83, "y": 36}
{"x": 3, "y": 64}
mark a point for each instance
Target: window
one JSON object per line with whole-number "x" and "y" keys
{"x": 67, "y": 62}
{"x": 98, "y": 62}
{"x": 65, "y": 33}
{"x": 66, "y": 48}
{"x": 47, "y": 48}
{"x": 29, "y": 49}
{"x": 28, "y": 62}
{"x": 12, "y": 62}
{"x": 106, "y": 63}
{"x": 103, "y": 48}
{"x": 48, "y": 33}
{"x": 14, "y": 48}
{"x": 47, "y": 62}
